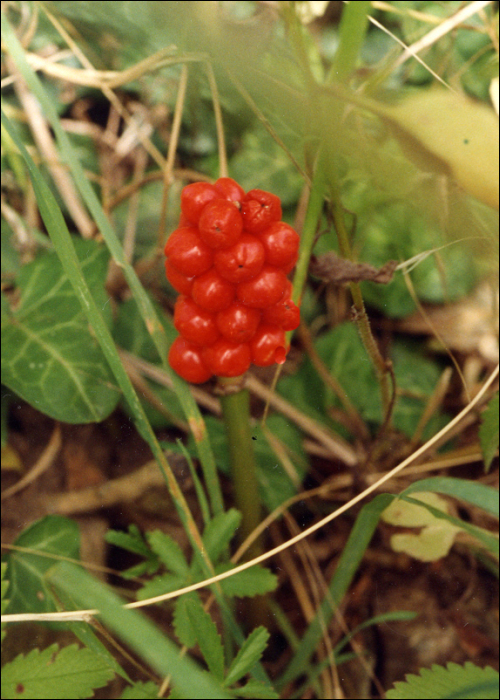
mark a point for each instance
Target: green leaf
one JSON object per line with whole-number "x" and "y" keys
{"x": 50, "y": 356}
{"x": 250, "y": 582}
{"x": 141, "y": 691}
{"x": 250, "y": 652}
{"x": 489, "y": 431}
{"x": 219, "y": 533}
{"x": 133, "y": 542}
{"x": 169, "y": 552}
{"x": 138, "y": 632}
{"x": 182, "y": 624}
{"x": 68, "y": 673}
{"x": 254, "y": 689}
{"x": 207, "y": 637}
{"x": 453, "y": 682}
{"x": 477, "y": 494}
{"x": 52, "y": 535}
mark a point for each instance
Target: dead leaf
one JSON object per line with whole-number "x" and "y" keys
{"x": 331, "y": 268}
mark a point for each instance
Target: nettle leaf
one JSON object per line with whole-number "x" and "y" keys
{"x": 69, "y": 673}
{"x": 488, "y": 432}
{"x": 169, "y": 552}
{"x": 454, "y": 681}
{"x": 50, "y": 356}
{"x": 250, "y": 652}
{"x": 53, "y": 534}
{"x": 250, "y": 582}
{"x": 207, "y": 636}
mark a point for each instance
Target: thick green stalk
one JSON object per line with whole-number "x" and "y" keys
{"x": 236, "y": 412}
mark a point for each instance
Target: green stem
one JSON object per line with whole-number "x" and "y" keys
{"x": 236, "y": 412}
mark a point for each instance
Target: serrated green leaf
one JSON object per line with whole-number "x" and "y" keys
{"x": 250, "y": 652}
{"x": 54, "y": 535}
{"x": 133, "y": 541}
{"x": 161, "y": 584}
{"x": 168, "y": 552}
{"x": 138, "y": 632}
{"x": 50, "y": 357}
{"x": 454, "y": 681}
{"x": 489, "y": 431}
{"x": 68, "y": 673}
{"x": 250, "y": 582}
{"x": 207, "y": 637}
{"x": 141, "y": 691}
{"x": 182, "y": 624}
{"x": 219, "y": 532}
{"x": 254, "y": 689}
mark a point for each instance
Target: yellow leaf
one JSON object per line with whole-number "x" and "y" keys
{"x": 453, "y": 132}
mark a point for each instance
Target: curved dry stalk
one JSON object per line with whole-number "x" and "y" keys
{"x": 442, "y": 434}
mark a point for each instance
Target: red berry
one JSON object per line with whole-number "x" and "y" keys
{"x": 185, "y": 358}
{"x": 259, "y": 209}
{"x": 284, "y": 314}
{"x": 264, "y": 290}
{"x": 238, "y": 323}
{"x": 179, "y": 282}
{"x": 227, "y": 359}
{"x": 268, "y": 346}
{"x": 220, "y": 224}
{"x": 194, "y": 197}
{"x": 242, "y": 261}
{"x": 282, "y": 245}
{"x": 230, "y": 190}
{"x": 188, "y": 253}
{"x": 212, "y": 292}
{"x": 193, "y": 323}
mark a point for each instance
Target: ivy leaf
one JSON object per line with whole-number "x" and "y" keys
{"x": 52, "y": 673}
{"x": 454, "y": 681}
{"x": 50, "y": 357}
{"x": 488, "y": 432}
{"x": 53, "y": 534}
{"x": 250, "y": 652}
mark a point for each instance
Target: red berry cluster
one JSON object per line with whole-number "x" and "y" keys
{"x": 229, "y": 259}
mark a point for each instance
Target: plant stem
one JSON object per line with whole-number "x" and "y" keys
{"x": 236, "y": 412}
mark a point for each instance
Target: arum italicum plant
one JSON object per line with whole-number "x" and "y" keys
{"x": 353, "y": 144}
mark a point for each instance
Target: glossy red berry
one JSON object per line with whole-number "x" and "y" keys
{"x": 212, "y": 292}
{"x": 242, "y": 261}
{"x": 284, "y": 314}
{"x": 259, "y": 209}
{"x": 238, "y": 323}
{"x": 268, "y": 346}
{"x": 230, "y": 190}
{"x": 281, "y": 243}
{"x": 220, "y": 224}
{"x": 188, "y": 253}
{"x": 179, "y": 282}
{"x": 185, "y": 358}
{"x": 194, "y": 197}
{"x": 193, "y": 323}
{"x": 266, "y": 289}
{"x": 227, "y": 359}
